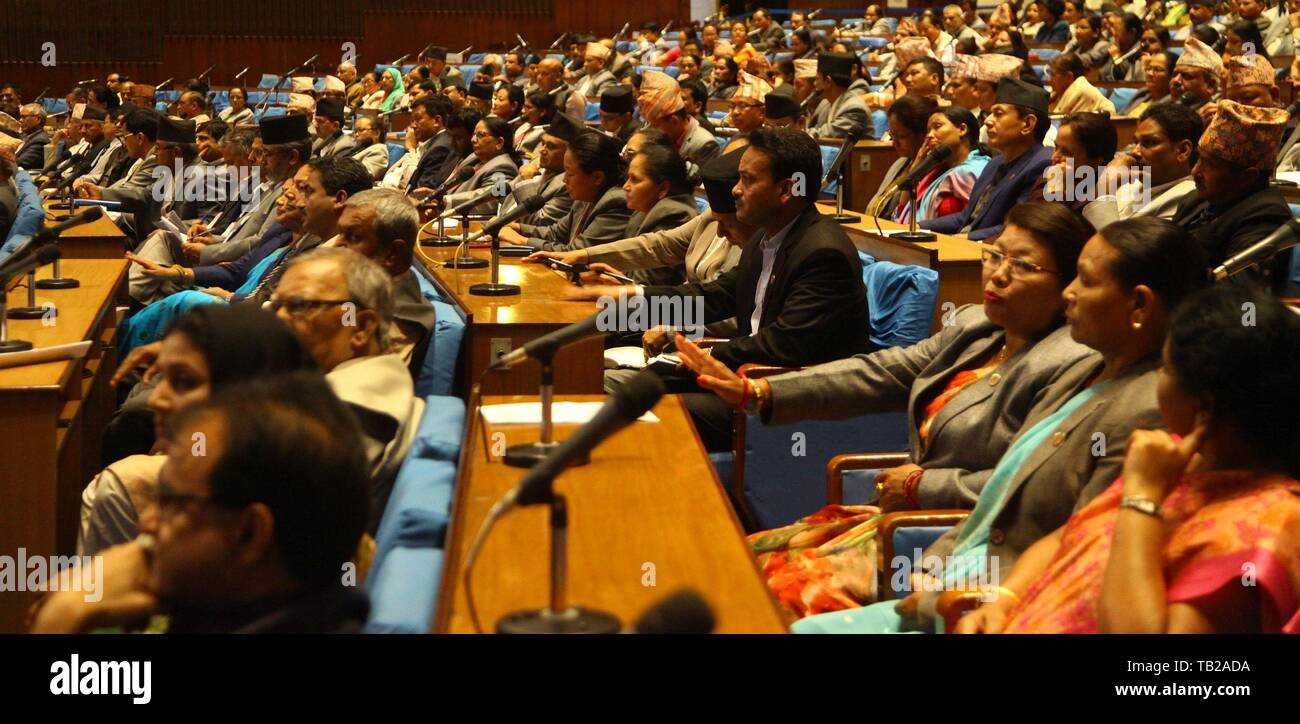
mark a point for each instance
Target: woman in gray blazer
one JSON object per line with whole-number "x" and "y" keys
{"x": 977, "y": 379}
{"x": 494, "y": 167}
{"x": 659, "y": 195}
{"x": 1071, "y": 446}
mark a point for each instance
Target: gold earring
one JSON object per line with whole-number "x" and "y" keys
{"x": 1137, "y": 326}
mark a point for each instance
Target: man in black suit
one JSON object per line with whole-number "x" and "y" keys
{"x": 31, "y": 154}
{"x": 796, "y": 294}
{"x": 438, "y": 155}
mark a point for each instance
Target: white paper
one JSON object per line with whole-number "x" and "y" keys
{"x": 40, "y": 355}
{"x": 1293, "y": 176}
{"x": 562, "y": 413}
{"x": 624, "y": 357}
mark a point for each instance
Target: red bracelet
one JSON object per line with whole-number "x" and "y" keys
{"x": 910, "y": 485}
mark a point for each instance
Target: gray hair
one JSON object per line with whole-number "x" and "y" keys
{"x": 35, "y": 109}
{"x": 369, "y": 286}
{"x": 395, "y": 215}
{"x": 239, "y": 140}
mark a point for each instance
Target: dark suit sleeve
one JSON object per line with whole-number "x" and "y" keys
{"x": 231, "y": 275}
{"x": 434, "y": 170}
{"x": 719, "y": 295}
{"x": 809, "y": 313}
{"x": 33, "y": 157}
{"x": 948, "y": 224}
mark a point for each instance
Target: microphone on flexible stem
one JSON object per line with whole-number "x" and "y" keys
{"x": 165, "y": 83}
{"x": 668, "y": 26}
{"x": 1284, "y": 237}
{"x": 625, "y": 405}
{"x": 836, "y": 171}
{"x": 483, "y": 194}
{"x": 399, "y": 60}
{"x": 544, "y": 347}
{"x": 803, "y": 107}
{"x": 49, "y": 234}
{"x": 310, "y": 62}
{"x": 556, "y": 44}
{"x": 908, "y": 183}
{"x": 622, "y": 30}
{"x": 26, "y": 261}
{"x": 523, "y": 44}
{"x": 241, "y": 74}
{"x": 683, "y": 612}
{"x": 42, "y": 95}
{"x": 495, "y": 288}
{"x": 813, "y": 14}
{"x": 205, "y": 73}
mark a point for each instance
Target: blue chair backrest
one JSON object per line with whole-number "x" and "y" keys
{"x": 468, "y": 72}
{"x": 701, "y": 203}
{"x": 271, "y": 112}
{"x": 395, "y": 153}
{"x": 477, "y": 58}
{"x": 268, "y": 81}
{"x": 593, "y": 111}
{"x": 28, "y": 218}
{"x": 1047, "y": 53}
{"x": 880, "y": 122}
{"x": 782, "y": 57}
{"x": 828, "y": 157}
{"x": 871, "y": 41}
{"x": 1121, "y": 97}
{"x": 901, "y": 298}
{"x": 319, "y": 85}
{"x": 624, "y": 46}
{"x": 55, "y": 105}
{"x": 438, "y": 369}
{"x": 820, "y": 23}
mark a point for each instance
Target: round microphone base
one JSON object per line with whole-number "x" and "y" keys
{"x": 60, "y": 206}
{"x": 914, "y": 236}
{"x": 529, "y": 454}
{"x": 576, "y": 620}
{"x": 440, "y": 241}
{"x": 14, "y": 345}
{"x": 32, "y": 312}
{"x": 846, "y": 218}
{"x": 60, "y": 283}
{"x": 466, "y": 262}
{"x": 494, "y": 290}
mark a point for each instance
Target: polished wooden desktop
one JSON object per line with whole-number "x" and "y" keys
{"x": 511, "y": 321}
{"x": 647, "y": 516}
{"x": 52, "y": 417}
{"x": 100, "y": 239}
{"x": 957, "y": 259}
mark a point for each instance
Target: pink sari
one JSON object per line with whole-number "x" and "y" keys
{"x": 1222, "y": 528}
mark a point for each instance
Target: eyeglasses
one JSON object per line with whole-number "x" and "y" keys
{"x": 297, "y": 307}
{"x": 170, "y": 502}
{"x": 1019, "y": 267}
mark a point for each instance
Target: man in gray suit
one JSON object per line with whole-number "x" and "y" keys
{"x": 766, "y": 34}
{"x": 330, "y": 138}
{"x": 441, "y": 75}
{"x": 597, "y": 78}
{"x": 135, "y": 191}
{"x": 550, "y": 159}
{"x": 840, "y": 115}
{"x": 370, "y": 148}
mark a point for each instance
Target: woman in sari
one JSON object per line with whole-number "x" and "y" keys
{"x": 373, "y": 95}
{"x": 978, "y": 377}
{"x": 1167, "y": 547}
{"x": 1070, "y": 447}
{"x": 946, "y": 189}
{"x": 393, "y": 88}
{"x": 202, "y": 352}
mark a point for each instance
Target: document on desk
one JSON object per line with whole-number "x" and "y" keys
{"x": 562, "y": 413}
{"x": 41, "y": 355}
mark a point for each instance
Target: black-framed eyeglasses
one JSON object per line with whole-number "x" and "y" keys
{"x": 993, "y": 259}
{"x": 297, "y": 306}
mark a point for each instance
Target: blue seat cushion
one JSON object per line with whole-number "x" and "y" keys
{"x": 404, "y": 591}
{"x": 1121, "y": 97}
{"x": 439, "y": 434}
{"x": 909, "y": 542}
{"x": 901, "y": 298}
{"x": 418, "y": 508}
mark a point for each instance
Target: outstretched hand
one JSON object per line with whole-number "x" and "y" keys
{"x": 713, "y": 375}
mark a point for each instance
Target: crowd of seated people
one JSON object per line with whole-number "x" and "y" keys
{"x": 1100, "y": 162}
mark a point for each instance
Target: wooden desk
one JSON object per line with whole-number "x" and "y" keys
{"x": 514, "y": 320}
{"x": 52, "y": 417}
{"x": 868, "y": 162}
{"x": 956, "y": 259}
{"x": 100, "y": 239}
{"x": 649, "y": 500}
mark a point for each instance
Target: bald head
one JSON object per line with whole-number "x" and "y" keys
{"x": 550, "y": 73}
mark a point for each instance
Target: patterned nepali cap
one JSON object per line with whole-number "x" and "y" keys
{"x": 301, "y": 102}
{"x": 1247, "y": 136}
{"x": 993, "y": 67}
{"x": 334, "y": 85}
{"x": 1200, "y": 55}
{"x": 723, "y": 49}
{"x": 751, "y": 87}
{"x": 909, "y": 49}
{"x": 660, "y": 96}
{"x": 596, "y": 50}
{"x": 302, "y": 84}
{"x": 805, "y": 68}
{"x": 1249, "y": 70}
{"x": 963, "y": 67}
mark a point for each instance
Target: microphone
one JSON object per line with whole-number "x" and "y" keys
{"x": 310, "y": 61}
{"x": 556, "y": 44}
{"x": 240, "y": 74}
{"x": 1285, "y": 237}
{"x": 399, "y": 60}
{"x": 846, "y": 146}
{"x": 932, "y": 159}
{"x": 813, "y": 14}
{"x": 623, "y": 29}
{"x": 466, "y": 50}
{"x": 164, "y": 83}
{"x": 523, "y": 44}
{"x": 624, "y": 406}
{"x": 462, "y": 175}
{"x": 683, "y": 612}
{"x": 483, "y": 194}
{"x": 29, "y": 258}
{"x": 528, "y": 206}
{"x": 803, "y": 107}
{"x": 206, "y": 72}
{"x": 50, "y": 233}
{"x": 668, "y": 26}
{"x": 89, "y": 82}
{"x": 42, "y": 95}
{"x": 546, "y": 345}
{"x": 1188, "y": 99}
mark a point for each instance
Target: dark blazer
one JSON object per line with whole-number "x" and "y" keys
{"x": 814, "y": 308}
{"x": 606, "y": 222}
{"x": 991, "y": 410}
{"x": 31, "y": 154}
{"x": 1058, "y": 32}
{"x": 670, "y": 213}
{"x": 435, "y": 164}
{"x": 1015, "y": 187}
{"x": 232, "y": 275}
{"x": 1066, "y": 472}
{"x": 1222, "y": 232}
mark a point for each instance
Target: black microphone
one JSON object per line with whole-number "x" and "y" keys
{"x": 622, "y": 30}
{"x": 624, "y": 406}
{"x": 683, "y": 612}
{"x": 803, "y": 107}
{"x": 526, "y": 207}
{"x": 1188, "y": 99}
{"x": 932, "y": 159}
{"x": 399, "y": 60}
{"x": 846, "y": 147}
{"x": 546, "y": 345}
{"x": 483, "y": 194}
{"x": 310, "y": 61}
{"x": 28, "y": 258}
{"x": 1286, "y": 236}
{"x": 50, "y": 233}
{"x": 461, "y": 176}
{"x": 164, "y": 83}
{"x": 813, "y": 14}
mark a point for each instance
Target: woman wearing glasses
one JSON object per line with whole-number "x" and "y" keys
{"x": 977, "y": 379}
{"x": 494, "y": 164}
{"x": 238, "y": 111}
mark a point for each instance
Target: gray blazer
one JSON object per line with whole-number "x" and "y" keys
{"x": 551, "y": 184}
{"x": 136, "y": 194}
{"x": 247, "y": 230}
{"x": 670, "y": 213}
{"x": 499, "y": 164}
{"x": 696, "y": 245}
{"x": 585, "y": 225}
{"x": 1063, "y": 474}
{"x": 339, "y": 144}
{"x": 990, "y": 411}
{"x": 848, "y": 115}
{"x": 699, "y": 145}
{"x": 374, "y": 157}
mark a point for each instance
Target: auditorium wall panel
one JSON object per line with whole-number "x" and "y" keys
{"x": 151, "y": 39}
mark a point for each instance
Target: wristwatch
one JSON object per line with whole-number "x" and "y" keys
{"x": 1140, "y": 504}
